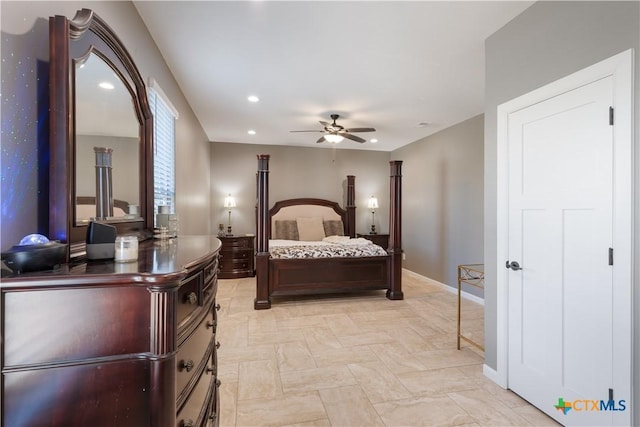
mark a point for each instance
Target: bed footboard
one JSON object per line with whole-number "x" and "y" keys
{"x": 302, "y": 276}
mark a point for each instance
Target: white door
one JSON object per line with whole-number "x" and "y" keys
{"x": 560, "y": 333}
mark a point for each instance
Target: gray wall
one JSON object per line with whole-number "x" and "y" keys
{"x": 545, "y": 43}
{"x": 25, "y": 53}
{"x": 297, "y": 172}
{"x": 443, "y": 201}
{"x": 124, "y": 158}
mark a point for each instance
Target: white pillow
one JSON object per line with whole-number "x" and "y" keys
{"x": 310, "y": 229}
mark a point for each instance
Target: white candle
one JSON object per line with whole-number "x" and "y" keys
{"x": 126, "y": 248}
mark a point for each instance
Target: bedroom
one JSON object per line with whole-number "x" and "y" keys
{"x": 199, "y": 169}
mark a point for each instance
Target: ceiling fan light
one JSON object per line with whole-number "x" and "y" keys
{"x": 334, "y": 138}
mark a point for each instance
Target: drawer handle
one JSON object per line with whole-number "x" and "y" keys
{"x": 212, "y": 325}
{"x": 191, "y": 299}
{"x": 217, "y": 344}
{"x": 213, "y": 416}
{"x": 217, "y": 307}
{"x": 188, "y": 366}
{"x": 218, "y": 383}
{"x": 187, "y": 423}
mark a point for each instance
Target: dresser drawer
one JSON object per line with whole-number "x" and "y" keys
{"x": 196, "y": 410}
{"x": 189, "y": 297}
{"x": 211, "y": 280}
{"x": 54, "y": 325}
{"x": 193, "y": 355}
{"x": 97, "y": 395}
{"x": 214, "y": 410}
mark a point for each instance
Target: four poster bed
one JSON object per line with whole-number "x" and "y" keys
{"x": 308, "y": 267}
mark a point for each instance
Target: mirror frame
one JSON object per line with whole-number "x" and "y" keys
{"x": 85, "y": 33}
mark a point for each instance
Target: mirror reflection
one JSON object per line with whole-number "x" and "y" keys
{"x": 105, "y": 118}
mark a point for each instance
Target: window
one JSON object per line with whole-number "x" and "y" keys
{"x": 164, "y": 148}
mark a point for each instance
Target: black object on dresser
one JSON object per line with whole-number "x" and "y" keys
{"x": 109, "y": 344}
{"x": 237, "y": 257}
{"x": 378, "y": 239}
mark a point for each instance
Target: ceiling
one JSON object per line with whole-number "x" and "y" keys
{"x": 408, "y": 69}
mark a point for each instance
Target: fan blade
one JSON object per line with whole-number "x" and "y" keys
{"x": 361, "y": 130}
{"x": 321, "y": 140}
{"x": 353, "y": 137}
{"x": 325, "y": 123}
{"x": 306, "y": 131}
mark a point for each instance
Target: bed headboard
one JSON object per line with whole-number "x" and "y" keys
{"x": 306, "y": 207}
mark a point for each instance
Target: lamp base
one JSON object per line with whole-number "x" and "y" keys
{"x": 229, "y": 232}
{"x": 373, "y": 229}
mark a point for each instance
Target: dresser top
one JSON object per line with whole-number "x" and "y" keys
{"x": 160, "y": 263}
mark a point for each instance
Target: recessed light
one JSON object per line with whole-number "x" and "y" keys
{"x": 106, "y": 85}
{"x": 373, "y": 140}
{"x": 251, "y": 132}
{"x": 253, "y": 98}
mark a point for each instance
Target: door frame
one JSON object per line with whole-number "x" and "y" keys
{"x": 619, "y": 66}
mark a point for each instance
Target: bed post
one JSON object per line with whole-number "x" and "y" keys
{"x": 351, "y": 206}
{"x": 262, "y": 300}
{"x": 395, "y": 231}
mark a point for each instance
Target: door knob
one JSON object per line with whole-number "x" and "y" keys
{"x": 513, "y": 265}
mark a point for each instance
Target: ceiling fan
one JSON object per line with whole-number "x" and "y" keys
{"x": 333, "y": 132}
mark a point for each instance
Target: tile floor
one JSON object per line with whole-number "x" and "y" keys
{"x": 357, "y": 360}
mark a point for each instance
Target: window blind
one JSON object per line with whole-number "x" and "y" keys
{"x": 164, "y": 176}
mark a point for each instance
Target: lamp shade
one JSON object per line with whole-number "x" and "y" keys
{"x": 229, "y": 202}
{"x": 333, "y": 137}
{"x": 372, "y": 203}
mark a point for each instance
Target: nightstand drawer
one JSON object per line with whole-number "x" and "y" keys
{"x": 235, "y": 264}
{"x": 235, "y": 255}
{"x": 237, "y": 242}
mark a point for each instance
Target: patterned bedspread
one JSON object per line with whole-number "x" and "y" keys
{"x": 326, "y": 250}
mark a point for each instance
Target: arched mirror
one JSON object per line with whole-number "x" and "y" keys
{"x": 100, "y": 133}
{"x": 105, "y": 118}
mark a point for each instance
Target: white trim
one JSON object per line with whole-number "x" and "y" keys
{"x": 466, "y": 295}
{"x": 492, "y": 374}
{"x": 619, "y": 66}
{"x": 153, "y": 84}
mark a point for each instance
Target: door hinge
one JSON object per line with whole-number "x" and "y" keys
{"x": 611, "y": 116}
{"x": 610, "y": 256}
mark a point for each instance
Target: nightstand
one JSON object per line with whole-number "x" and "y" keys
{"x": 237, "y": 257}
{"x": 378, "y": 239}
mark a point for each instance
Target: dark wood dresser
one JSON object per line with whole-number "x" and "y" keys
{"x": 108, "y": 344}
{"x": 237, "y": 257}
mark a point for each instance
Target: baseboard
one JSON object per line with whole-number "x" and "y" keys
{"x": 453, "y": 290}
{"x": 492, "y": 374}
